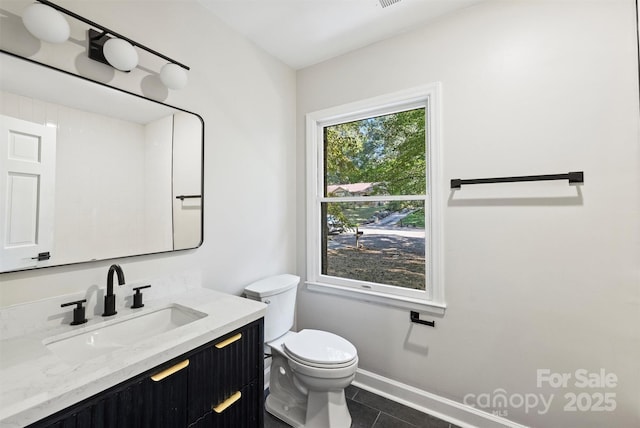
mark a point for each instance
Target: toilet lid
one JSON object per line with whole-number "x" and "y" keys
{"x": 320, "y": 347}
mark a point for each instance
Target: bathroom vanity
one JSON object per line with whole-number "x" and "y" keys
{"x": 201, "y": 365}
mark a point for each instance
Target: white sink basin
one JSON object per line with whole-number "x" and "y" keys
{"x": 104, "y": 338}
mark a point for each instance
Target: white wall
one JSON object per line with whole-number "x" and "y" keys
{"x": 538, "y": 275}
{"x": 246, "y": 99}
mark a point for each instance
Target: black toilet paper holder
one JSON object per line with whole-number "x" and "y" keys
{"x": 415, "y": 317}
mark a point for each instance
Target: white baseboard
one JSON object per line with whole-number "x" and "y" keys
{"x": 452, "y": 411}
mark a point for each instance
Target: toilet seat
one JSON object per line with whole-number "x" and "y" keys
{"x": 320, "y": 349}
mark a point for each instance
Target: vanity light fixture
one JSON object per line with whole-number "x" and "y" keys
{"x": 45, "y": 21}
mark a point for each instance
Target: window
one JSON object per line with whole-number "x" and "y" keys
{"x": 373, "y": 208}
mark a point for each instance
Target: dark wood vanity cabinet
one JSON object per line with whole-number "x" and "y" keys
{"x": 216, "y": 385}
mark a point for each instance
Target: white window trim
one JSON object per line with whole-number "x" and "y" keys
{"x": 431, "y": 300}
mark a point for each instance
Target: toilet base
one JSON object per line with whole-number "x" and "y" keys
{"x": 292, "y": 415}
{"x": 325, "y": 409}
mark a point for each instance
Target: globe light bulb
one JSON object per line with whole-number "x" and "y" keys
{"x": 46, "y": 23}
{"x": 120, "y": 54}
{"x": 173, "y": 76}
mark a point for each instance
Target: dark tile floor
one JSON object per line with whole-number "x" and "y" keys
{"x": 369, "y": 410}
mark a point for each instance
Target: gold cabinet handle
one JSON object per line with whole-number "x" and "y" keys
{"x": 229, "y": 341}
{"x": 168, "y": 372}
{"x": 226, "y": 403}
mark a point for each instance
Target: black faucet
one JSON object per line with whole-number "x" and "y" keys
{"x": 110, "y": 298}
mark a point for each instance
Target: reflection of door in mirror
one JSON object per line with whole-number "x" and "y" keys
{"x": 27, "y": 180}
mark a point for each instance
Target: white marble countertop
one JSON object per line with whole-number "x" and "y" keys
{"x": 35, "y": 383}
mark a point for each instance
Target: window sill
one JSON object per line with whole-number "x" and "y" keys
{"x": 379, "y": 298}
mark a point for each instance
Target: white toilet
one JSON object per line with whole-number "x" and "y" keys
{"x": 310, "y": 369}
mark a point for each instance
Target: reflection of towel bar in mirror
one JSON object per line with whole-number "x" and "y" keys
{"x": 183, "y": 197}
{"x": 573, "y": 177}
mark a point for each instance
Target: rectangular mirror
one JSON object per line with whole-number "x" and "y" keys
{"x": 89, "y": 172}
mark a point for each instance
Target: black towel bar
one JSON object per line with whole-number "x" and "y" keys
{"x": 183, "y": 197}
{"x": 573, "y": 177}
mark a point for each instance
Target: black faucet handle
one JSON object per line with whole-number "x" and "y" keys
{"x": 78, "y": 312}
{"x": 137, "y": 298}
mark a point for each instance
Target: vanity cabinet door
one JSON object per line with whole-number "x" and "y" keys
{"x": 221, "y": 371}
{"x": 156, "y": 399}
{"x": 165, "y": 401}
{"x": 241, "y": 410}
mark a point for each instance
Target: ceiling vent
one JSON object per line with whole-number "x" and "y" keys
{"x": 385, "y": 3}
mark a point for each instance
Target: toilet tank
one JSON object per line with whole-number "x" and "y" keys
{"x": 279, "y": 293}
